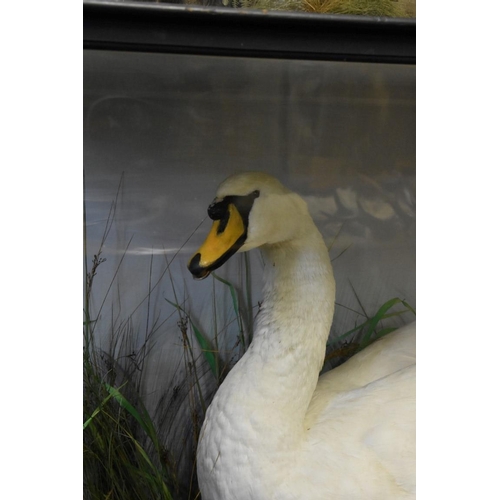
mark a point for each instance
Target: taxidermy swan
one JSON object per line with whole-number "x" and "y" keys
{"x": 275, "y": 430}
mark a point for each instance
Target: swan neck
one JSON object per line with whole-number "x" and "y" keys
{"x": 294, "y": 322}
{"x": 299, "y": 289}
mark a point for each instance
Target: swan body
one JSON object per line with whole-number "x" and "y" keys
{"x": 275, "y": 430}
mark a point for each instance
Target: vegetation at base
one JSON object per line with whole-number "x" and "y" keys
{"x": 123, "y": 457}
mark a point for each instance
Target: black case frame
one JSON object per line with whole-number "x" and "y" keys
{"x": 153, "y": 27}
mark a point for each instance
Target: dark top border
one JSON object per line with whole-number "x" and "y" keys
{"x": 152, "y": 27}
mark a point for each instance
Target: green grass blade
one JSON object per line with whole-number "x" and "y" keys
{"x": 350, "y": 332}
{"x": 96, "y": 411}
{"x": 409, "y": 307}
{"x": 206, "y": 348}
{"x": 203, "y": 342}
{"x": 143, "y": 419}
{"x": 248, "y": 287}
{"x": 236, "y": 306}
{"x": 373, "y": 322}
{"x": 122, "y": 400}
{"x": 156, "y": 479}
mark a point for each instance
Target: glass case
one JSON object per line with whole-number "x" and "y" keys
{"x": 174, "y": 102}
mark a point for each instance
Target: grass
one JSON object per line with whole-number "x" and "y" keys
{"x": 364, "y": 334}
{"x": 377, "y": 8}
{"x": 117, "y": 463}
{"x": 132, "y": 449}
{"x": 123, "y": 455}
{"x": 385, "y": 8}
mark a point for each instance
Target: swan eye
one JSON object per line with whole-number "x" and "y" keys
{"x": 217, "y": 210}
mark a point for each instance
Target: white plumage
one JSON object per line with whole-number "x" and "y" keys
{"x": 274, "y": 431}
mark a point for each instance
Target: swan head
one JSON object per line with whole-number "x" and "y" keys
{"x": 249, "y": 210}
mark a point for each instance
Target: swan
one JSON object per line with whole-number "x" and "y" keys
{"x": 275, "y": 430}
